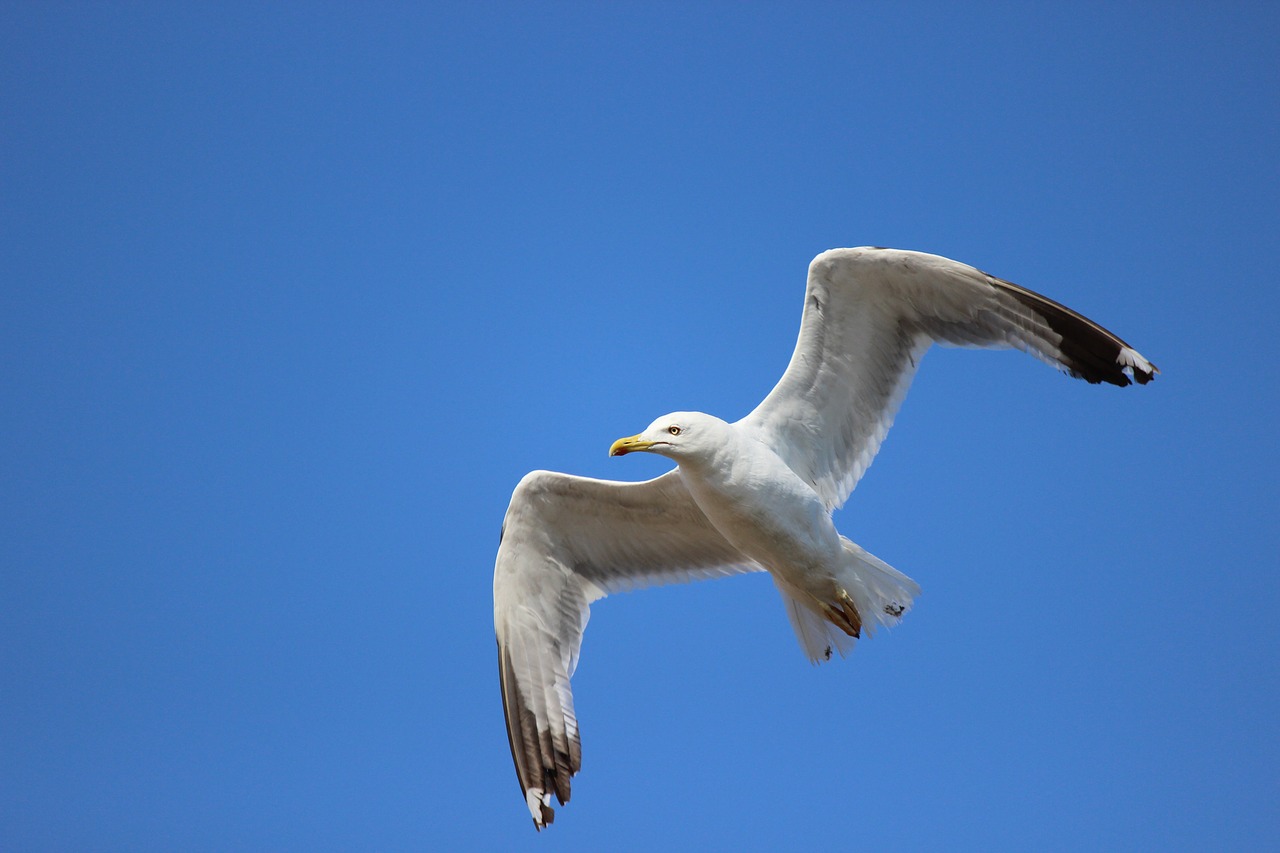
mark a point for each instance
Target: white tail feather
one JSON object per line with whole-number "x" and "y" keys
{"x": 881, "y": 593}
{"x": 818, "y": 637}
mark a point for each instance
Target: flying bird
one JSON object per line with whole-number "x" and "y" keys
{"x": 757, "y": 494}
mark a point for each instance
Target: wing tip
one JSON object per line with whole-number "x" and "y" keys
{"x": 1136, "y": 366}
{"x": 1129, "y": 367}
{"x": 543, "y": 765}
{"x": 1085, "y": 350}
{"x": 540, "y": 808}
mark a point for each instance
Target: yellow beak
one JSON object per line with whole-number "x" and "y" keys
{"x": 623, "y": 446}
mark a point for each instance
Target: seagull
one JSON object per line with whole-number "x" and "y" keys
{"x": 757, "y": 494}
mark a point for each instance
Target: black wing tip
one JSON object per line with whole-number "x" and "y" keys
{"x": 1088, "y": 351}
{"x": 1133, "y": 366}
{"x": 1142, "y": 377}
{"x": 541, "y": 766}
{"x": 1098, "y": 370}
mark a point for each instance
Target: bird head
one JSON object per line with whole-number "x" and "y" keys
{"x": 677, "y": 435}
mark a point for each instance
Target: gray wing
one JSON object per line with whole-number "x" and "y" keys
{"x": 566, "y": 542}
{"x": 869, "y": 315}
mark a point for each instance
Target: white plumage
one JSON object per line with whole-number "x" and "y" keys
{"x": 757, "y": 494}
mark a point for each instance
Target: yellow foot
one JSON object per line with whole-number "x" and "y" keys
{"x": 844, "y": 615}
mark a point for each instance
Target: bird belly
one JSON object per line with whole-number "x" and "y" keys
{"x": 778, "y": 522}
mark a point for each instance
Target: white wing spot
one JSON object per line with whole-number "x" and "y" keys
{"x": 1130, "y": 357}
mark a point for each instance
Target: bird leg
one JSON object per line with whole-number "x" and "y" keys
{"x": 844, "y": 615}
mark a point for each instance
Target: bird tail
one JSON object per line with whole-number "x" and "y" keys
{"x": 881, "y": 593}
{"x": 874, "y": 593}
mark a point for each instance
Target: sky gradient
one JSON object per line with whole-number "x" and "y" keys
{"x": 292, "y": 296}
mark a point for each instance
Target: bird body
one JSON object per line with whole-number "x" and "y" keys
{"x": 775, "y": 521}
{"x": 758, "y": 494}
{"x": 760, "y": 506}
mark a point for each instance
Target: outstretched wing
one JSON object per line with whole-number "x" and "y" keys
{"x": 869, "y": 316}
{"x": 566, "y": 542}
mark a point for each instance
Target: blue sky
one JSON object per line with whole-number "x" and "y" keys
{"x": 291, "y": 297}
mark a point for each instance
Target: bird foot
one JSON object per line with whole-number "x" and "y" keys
{"x": 844, "y": 615}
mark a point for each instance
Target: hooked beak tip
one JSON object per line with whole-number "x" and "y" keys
{"x": 623, "y": 446}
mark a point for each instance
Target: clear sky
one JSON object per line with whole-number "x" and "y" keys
{"x": 292, "y": 295}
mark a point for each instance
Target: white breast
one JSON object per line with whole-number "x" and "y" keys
{"x": 764, "y": 509}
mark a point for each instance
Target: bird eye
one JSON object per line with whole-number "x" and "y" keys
{"x": 673, "y": 429}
